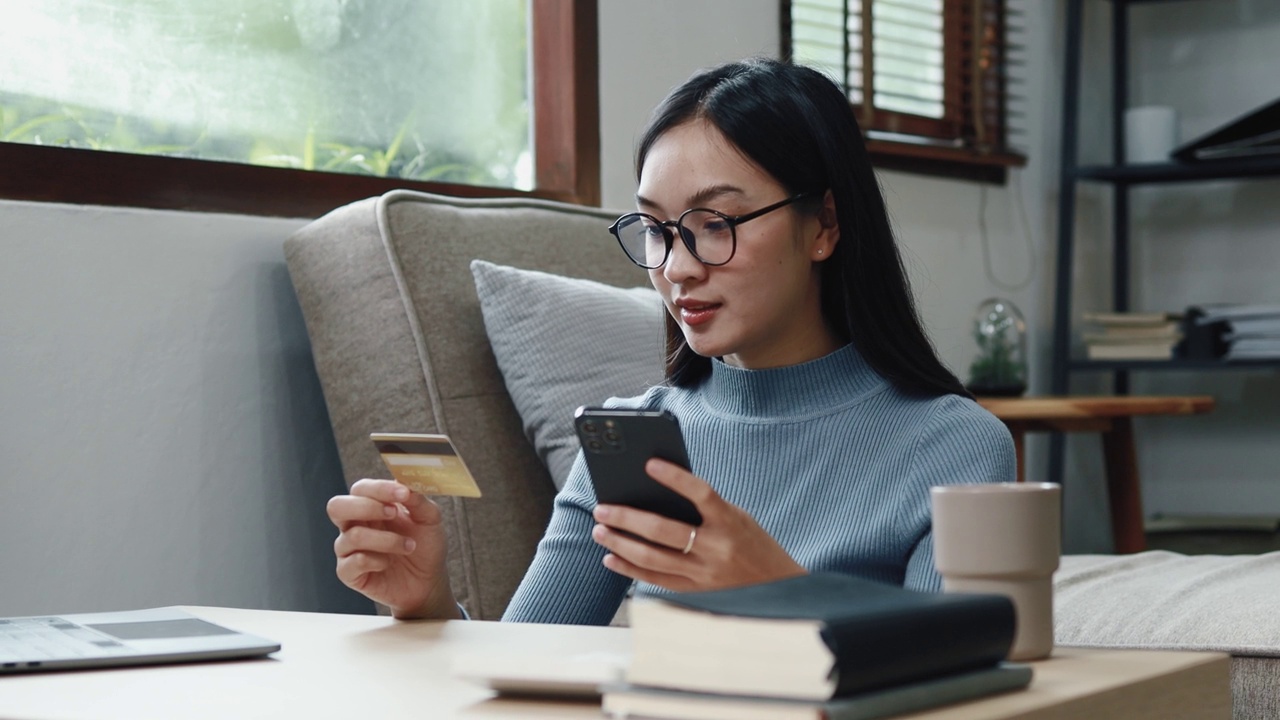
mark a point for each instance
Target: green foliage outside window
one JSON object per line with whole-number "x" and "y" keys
{"x": 427, "y": 90}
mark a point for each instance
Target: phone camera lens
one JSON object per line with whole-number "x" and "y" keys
{"x": 589, "y": 426}
{"x": 595, "y": 445}
{"x": 611, "y": 436}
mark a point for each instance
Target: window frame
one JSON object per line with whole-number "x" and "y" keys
{"x": 990, "y": 166}
{"x": 566, "y": 137}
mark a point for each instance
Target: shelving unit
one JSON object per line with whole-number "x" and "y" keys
{"x": 1122, "y": 178}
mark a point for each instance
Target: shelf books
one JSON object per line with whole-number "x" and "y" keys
{"x": 1133, "y": 336}
{"x": 631, "y": 701}
{"x": 1237, "y": 331}
{"x": 813, "y": 637}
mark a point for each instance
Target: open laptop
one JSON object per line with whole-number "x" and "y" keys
{"x": 132, "y": 637}
{"x": 1254, "y": 133}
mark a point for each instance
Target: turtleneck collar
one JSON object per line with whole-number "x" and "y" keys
{"x": 816, "y": 386}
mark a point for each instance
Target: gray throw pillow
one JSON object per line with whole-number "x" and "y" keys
{"x": 564, "y": 342}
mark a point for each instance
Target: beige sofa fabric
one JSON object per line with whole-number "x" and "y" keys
{"x": 399, "y": 343}
{"x": 1159, "y": 599}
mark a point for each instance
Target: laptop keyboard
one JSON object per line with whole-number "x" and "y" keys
{"x": 34, "y": 640}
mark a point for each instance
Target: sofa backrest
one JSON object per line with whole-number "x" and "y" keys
{"x": 399, "y": 344}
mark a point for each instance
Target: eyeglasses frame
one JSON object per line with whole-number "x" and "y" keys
{"x": 686, "y": 235}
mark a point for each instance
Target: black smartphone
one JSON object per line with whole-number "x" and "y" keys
{"x": 617, "y": 443}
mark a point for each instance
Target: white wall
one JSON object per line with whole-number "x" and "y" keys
{"x": 646, "y": 49}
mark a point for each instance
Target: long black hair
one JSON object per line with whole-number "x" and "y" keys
{"x": 796, "y": 124}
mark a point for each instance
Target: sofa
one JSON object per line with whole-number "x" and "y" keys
{"x": 404, "y": 341}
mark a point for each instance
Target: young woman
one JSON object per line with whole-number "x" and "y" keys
{"x": 816, "y": 413}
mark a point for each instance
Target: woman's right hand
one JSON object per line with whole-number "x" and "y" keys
{"x": 391, "y": 547}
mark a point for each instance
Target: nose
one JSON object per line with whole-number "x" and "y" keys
{"x": 681, "y": 265}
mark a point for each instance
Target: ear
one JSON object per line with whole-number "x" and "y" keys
{"x": 824, "y": 243}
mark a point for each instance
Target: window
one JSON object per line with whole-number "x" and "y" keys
{"x": 295, "y": 106}
{"x": 929, "y": 79}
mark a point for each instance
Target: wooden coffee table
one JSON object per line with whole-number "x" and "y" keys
{"x": 357, "y": 666}
{"x": 1112, "y": 416}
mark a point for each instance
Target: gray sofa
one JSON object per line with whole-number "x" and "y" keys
{"x": 400, "y": 345}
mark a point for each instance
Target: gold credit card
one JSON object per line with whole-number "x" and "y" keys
{"x": 428, "y": 464}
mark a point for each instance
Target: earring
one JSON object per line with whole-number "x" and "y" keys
{"x": 819, "y": 252}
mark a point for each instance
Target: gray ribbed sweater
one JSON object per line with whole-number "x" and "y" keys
{"x": 828, "y": 457}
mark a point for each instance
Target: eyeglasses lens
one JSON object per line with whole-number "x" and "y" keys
{"x": 707, "y": 234}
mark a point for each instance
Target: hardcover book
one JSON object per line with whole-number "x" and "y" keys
{"x": 814, "y": 637}
{"x": 632, "y": 701}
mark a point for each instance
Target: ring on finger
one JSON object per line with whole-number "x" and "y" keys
{"x": 693, "y": 535}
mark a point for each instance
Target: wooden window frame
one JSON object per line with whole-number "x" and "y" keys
{"x": 983, "y": 164}
{"x": 566, "y": 132}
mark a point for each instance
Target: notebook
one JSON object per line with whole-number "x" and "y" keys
{"x": 133, "y": 637}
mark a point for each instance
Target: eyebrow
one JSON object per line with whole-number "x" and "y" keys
{"x": 702, "y": 196}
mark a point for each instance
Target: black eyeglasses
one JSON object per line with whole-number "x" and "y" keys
{"x": 710, "y": 235}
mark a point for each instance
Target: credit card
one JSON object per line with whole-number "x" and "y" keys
{"x": 427, "y": 464}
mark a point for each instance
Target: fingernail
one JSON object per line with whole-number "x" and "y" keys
{"x": 388, "y": 511}
{"x": 402, "y": 494}
{"x": 597, "y": 532}
{"x": 409, "y": 544}
{"x": 603, "y": 513}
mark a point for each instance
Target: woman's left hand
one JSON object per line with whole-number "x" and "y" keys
{"x": 729, "y": 548}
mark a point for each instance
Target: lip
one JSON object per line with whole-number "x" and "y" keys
{"x": 696, "y": 312}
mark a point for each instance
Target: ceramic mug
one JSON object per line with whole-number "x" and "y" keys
{"x": 1003, "y": 538}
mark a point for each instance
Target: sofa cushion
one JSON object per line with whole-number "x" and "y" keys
{"x": 1164, "y": 600}
{"x": 399, "y": 344}
{"x": 563, "y": 342}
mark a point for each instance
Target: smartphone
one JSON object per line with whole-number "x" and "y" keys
{"x": 617, "y": 443}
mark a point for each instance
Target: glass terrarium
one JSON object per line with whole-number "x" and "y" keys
{"x": 1000, "y": 368}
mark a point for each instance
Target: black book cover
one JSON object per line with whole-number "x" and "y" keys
{"x": 881, "y": 634}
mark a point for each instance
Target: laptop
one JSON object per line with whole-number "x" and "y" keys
{"x": 1254, "y": 133}
{"x": 107, "y": 639}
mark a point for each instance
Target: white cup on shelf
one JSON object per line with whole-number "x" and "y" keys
{"x": 1150, "y": 134}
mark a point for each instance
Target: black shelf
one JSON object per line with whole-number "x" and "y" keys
{"x": 1123, "y": 179}
{"x": 1173, "y": 365}
{"x": 1226, "y": 169}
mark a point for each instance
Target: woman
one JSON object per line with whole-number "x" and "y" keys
{"x": 816, "y": 412}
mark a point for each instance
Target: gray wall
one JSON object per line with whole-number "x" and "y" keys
{"x": 162, "y": 435}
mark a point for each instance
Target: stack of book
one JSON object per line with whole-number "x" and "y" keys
{"x": 1249, "y": 332}
{"x": 1133, "y": 336}
{"x": 823, "y": 646}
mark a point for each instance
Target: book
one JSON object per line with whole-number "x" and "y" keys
{"x": 1131, "y": 351}
{"x": 628, "y": 701}
{"x": 1132, "y": 338}
{"x": 1132, "y": 319}
{"x": 813, "y": 637}
{"x": 1163, "y": 330}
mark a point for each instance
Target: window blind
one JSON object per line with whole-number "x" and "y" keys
{"x": 923, "y": 71}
